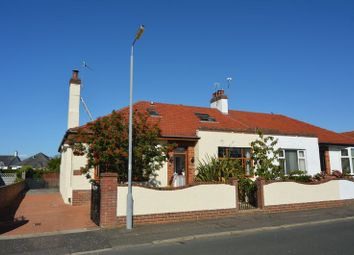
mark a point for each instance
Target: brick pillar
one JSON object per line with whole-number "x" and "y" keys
{"x": 260, "y": 193}
{"x": 190, "y": 165}
{"x": 327, "y": 161}
{"x": 234, "y": 182}
{"x": 170, "y": 169}
{"x": 108, "y": 201}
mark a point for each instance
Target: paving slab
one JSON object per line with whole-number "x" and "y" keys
{"x": 43, "y": 211}
{"x": 118, "y": 238}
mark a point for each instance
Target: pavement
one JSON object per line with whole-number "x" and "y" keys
{"x": 42, "y": 211}
{"x": 104, "y": 240}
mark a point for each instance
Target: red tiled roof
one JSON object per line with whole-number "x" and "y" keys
{"x": 351, "y": 133}
{"x": 181, "y": 121}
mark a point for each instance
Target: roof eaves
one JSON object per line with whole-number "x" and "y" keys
{"x": 254, "y": 131}
{"x": 177, "y": 137}
{"x": 67, "y": 133}
{"x": 337, "y": 144}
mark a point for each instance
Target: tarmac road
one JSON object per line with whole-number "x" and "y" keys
{"x": 324, "y": 238}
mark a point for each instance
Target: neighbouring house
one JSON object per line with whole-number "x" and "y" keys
{"x": 37, "y": 161}
{"x": 10, "y": 161}
{"x": 350, "y": 133}
{"x": 215, "y": 130}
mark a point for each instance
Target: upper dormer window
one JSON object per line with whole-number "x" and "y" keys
{"x": 152, "y": 112}
{"x": 205, "y": 117}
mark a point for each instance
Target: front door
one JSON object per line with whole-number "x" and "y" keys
{"x": 180, "y": 164}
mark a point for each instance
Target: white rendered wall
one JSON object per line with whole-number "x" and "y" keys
{"x": 309, "y": 144}
{"x": 161, "y": 177}
{"x": 279, "y": 193}
{"x": 74, "y": 105}
{"x": 222, "y": 105}
{"x": 210, "y": 141}
{"x": 66, "y": 174}
{"x": 346, "y": 189}
{"x": 62, "y": 175}
{"x": 335, "y": 158}
{"x": 69, "y": 181}
{"x": 79, "y": 182}
{"x": 196, "y": 198}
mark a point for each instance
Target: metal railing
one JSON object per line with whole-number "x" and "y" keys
{"x": 7, "y": 178}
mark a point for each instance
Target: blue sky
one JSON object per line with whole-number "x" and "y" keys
{"x": 290, "y": 57}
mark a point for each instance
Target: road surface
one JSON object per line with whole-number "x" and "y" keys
{"x": 325, "y": 238}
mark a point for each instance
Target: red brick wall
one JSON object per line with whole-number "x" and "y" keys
{"x": 51, "y": 180}
{"x": 327, "y": 161}
{"x": 260, "y": 193}
{"x": 10, "y": 192}
{"x": 190, "y": 164}
{"x": 307, "y": 206}
{"x": 177, "y": 217}
{"x": 170, "y": 169}
{"x": 108, "y": 203}
{"x": 81, "y": 197}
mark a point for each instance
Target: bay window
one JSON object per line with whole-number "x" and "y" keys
{"x": 242, "y": 154}
{"x": 347, "y": 159}
{"x": 291, "y": 160}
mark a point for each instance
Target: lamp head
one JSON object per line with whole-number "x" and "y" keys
{"x": 139, "y": 33}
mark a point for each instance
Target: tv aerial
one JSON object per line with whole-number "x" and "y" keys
{"x": 87, "y": 110}
{"x": 228, "y": 79}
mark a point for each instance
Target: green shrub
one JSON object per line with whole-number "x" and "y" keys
{"x": 299, "y": 176}
{"x": 246, "y": 190}
{"x": 9, "y": 170}
{"x": 214, "y": 169}
{"x": 265, "y": 156}
{"x": 53, "y": 164}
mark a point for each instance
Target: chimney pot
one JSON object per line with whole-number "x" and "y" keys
{"x": 75, "y": 74}
{"x": 220, "y": 101}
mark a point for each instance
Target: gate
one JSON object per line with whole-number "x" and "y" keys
{"x": 95, "y": 202}
{"x": 247, "y": 194}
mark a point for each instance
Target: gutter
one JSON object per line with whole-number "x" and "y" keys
{"x": 337, "y": 144}
{"x": 67, "y": 133}
{"x": 184, "y": 138}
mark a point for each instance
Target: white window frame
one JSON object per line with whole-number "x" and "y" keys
{"x": 350, "y": 157}
{"x": 298, "y": 159}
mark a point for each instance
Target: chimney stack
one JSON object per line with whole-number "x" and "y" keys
{"x": 74, "y": 100}
{"x": 220, "y": 101}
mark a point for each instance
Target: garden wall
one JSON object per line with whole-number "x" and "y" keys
{"x": 51, "y": 180}
{"x": 197, "y": 200}
{"x": 10, "y": 193}
{"x": 285, "y": 193}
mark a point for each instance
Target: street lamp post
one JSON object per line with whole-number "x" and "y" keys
{"x": 129, "y": 219}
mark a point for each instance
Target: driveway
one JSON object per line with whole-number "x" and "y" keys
{"x": 43, "y": 211}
